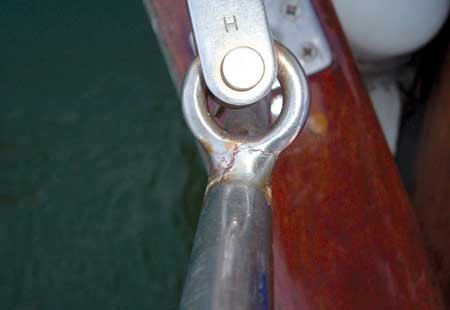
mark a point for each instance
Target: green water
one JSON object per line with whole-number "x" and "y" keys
{"x": 100, "y": 182}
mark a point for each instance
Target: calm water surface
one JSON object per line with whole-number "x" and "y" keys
{"x": 100, "y": 182}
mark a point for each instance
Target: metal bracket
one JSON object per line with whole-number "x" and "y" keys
{"x": 294, "y": 23}
{"x": 235, "y": 49}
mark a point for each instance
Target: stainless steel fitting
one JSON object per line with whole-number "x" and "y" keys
{"x": 230, "y": 266}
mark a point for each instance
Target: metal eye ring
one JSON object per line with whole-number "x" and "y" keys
{"x": 296, "y": 101}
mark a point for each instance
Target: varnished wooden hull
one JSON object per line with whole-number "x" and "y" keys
{"x": 344, "y": 234}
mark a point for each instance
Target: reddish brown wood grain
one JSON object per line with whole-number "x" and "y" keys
{"x": 170, "y": 21}
{"x": 345, "y": 236}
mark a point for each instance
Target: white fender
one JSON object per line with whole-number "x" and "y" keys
{"x": 381, "y": 29}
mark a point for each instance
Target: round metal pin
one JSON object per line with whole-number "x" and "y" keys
{"x": 242, "y": 68}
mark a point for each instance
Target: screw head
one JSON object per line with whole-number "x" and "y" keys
{"x": 308, "y": 52}
{"x": 291, "y": 10}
